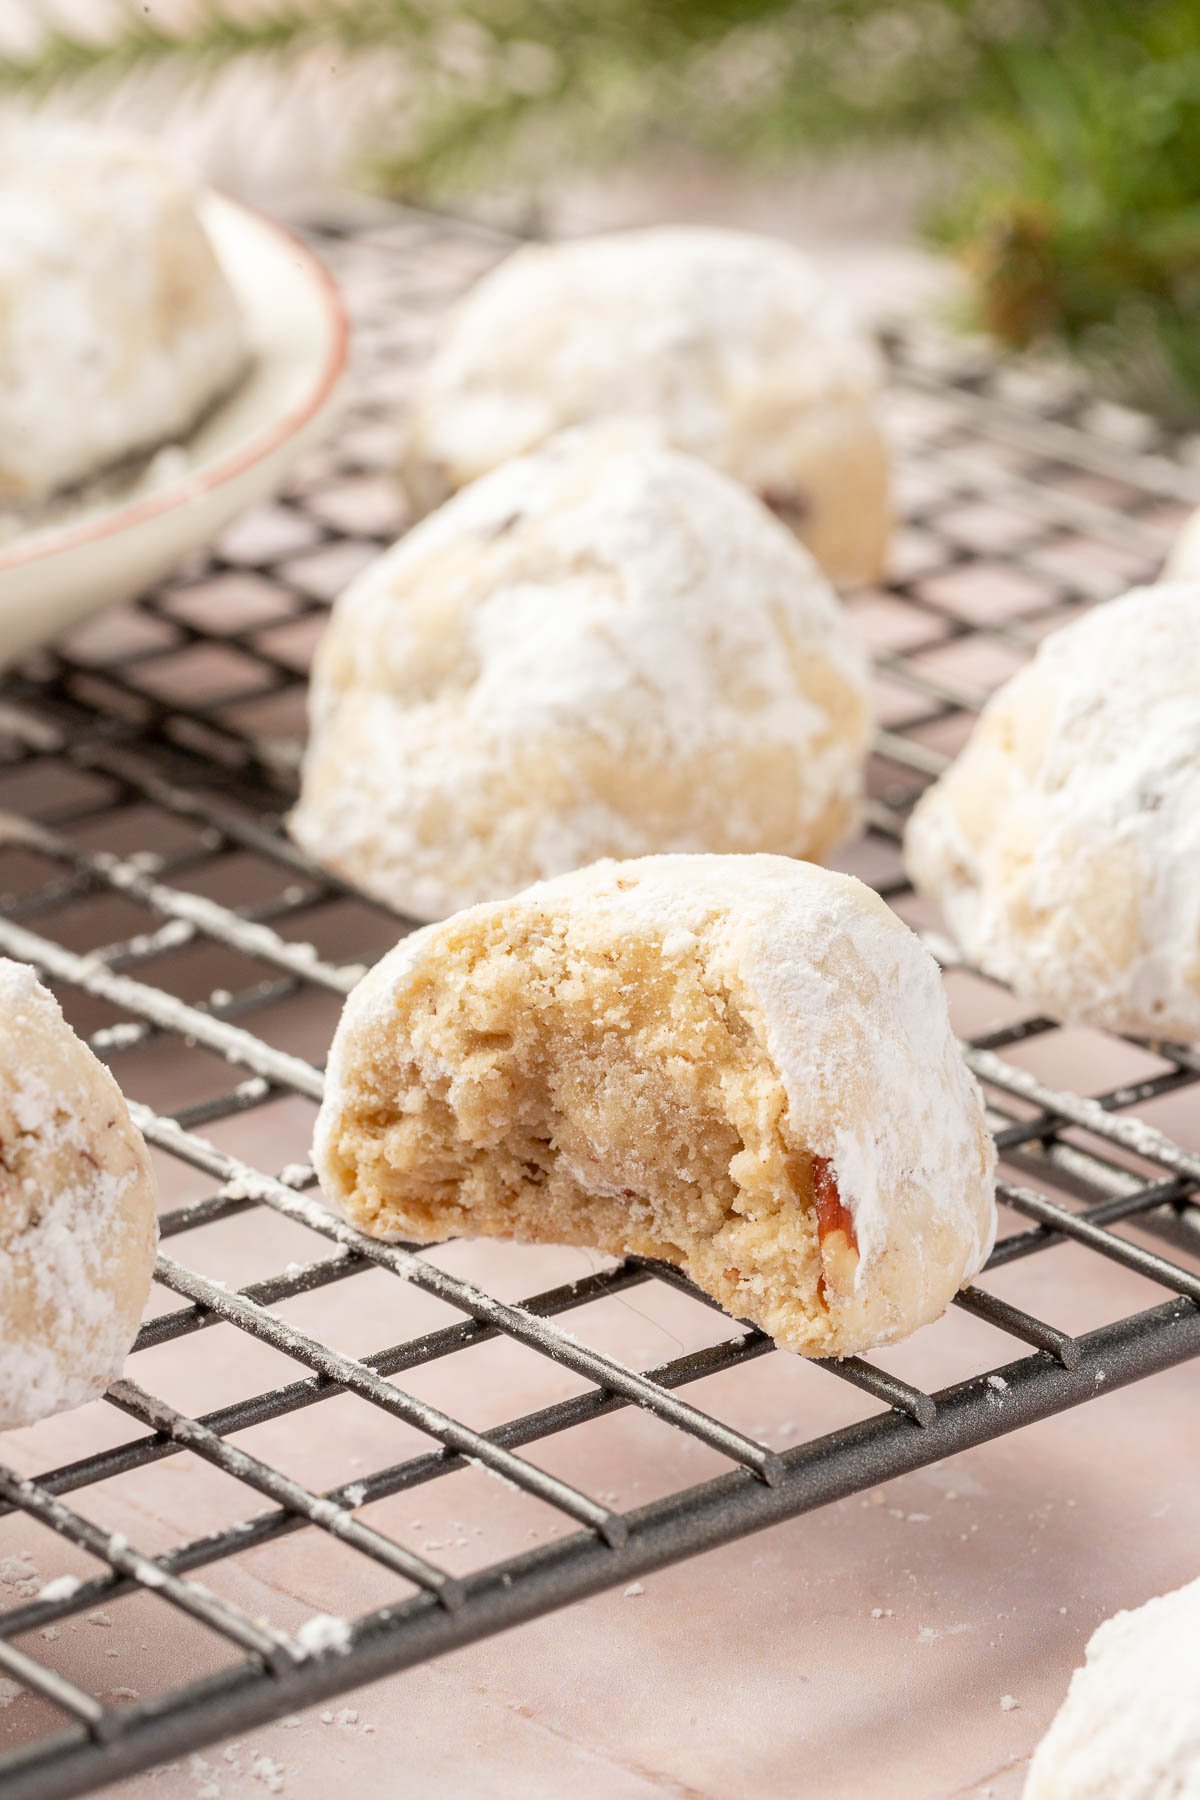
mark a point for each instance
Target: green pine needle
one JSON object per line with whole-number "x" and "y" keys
{"x": 1068, "y": 131}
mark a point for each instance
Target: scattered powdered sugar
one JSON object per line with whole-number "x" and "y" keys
{"x": 323, "y": 1632}
{"x": 634, "y": 1591}
{"x": 188, "y": 913}
{"x": 9, "y": 1691}
{"x": 62, "y": 1587}
{"x": 346, "y": 1719}
{"x": 206, "y": 1777}
{"x": 120, "y": 1036}
{"x": 173, "y": 934}
{"x": 18, "y": 1572}
{"x": 269, "y": 1772}
{"x": 247, "y": 1186}
{"x": 495, "y": 1474}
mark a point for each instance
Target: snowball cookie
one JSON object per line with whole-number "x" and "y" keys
{"x": 117, "y": 325}
{"x": 729, "y": 342}
{"x": 77, "y": 1212}
{"x": 1183, "y": 564}
{"x": 604, "y": 648}
{"x": 1064, "y": 844}
{"x": 741, "y": 1065}
{"x": 1129, "y": 1728}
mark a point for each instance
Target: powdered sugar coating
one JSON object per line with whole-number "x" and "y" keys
{"x": 77, "y": 1214}
{"x": 1129, "y": 1728}
{"x": 1183, "y": 564}
{"x": 117, "y": 325}
{"x": 729, "y": 343}
{"x": 1064, "y": 844}
{"x": 850, "y": 1018}
{"x": 601, "y": 649}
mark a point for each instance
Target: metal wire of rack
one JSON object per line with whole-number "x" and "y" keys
{"x": 143, "y": 772}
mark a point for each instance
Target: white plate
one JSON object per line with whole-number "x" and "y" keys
{"x": 127, "y": 533}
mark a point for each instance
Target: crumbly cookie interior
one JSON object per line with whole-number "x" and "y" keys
{"x": 547, "y": 1082}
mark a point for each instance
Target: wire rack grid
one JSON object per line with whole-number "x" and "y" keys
{"x": 144, "y": 770}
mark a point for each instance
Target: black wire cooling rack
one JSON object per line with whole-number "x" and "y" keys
{"x": 143, "y": 774}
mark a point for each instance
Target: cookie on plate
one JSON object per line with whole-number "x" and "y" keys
{"x": 77, "y": 1211}
{"x": 729, "y": 343}
{"x": 740, "y": 1065}
{"x": 118, "y": 326}
{"x": 601, "y": 649}
{"x": 1064, "y": 843}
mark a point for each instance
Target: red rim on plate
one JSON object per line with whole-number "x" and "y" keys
{"x": 226, "y": 467}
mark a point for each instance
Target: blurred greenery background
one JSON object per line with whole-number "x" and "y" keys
{"x": 1061, "y": 138}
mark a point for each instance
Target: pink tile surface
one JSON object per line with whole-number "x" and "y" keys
{"x": 862, "y": 1650}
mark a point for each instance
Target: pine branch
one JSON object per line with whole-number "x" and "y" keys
{"x": 1085, "y": 225}
{"x": 1071, "y": 129}
{"x": 212, "y": 39}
